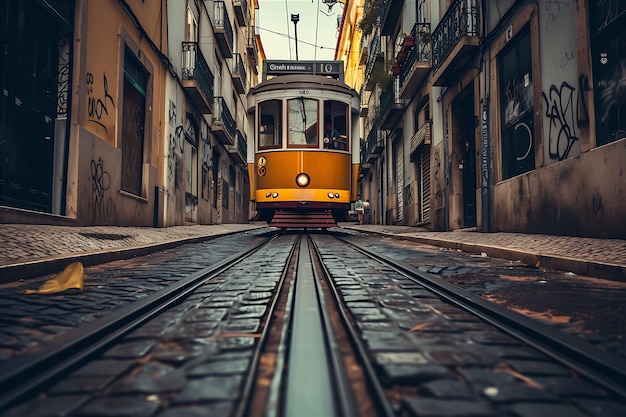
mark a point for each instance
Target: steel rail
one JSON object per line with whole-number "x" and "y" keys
{"x": 600, "y": 366}
{"x": 306, "y": 307}
{"x": 376, "y": 389}
{"x": 344, "y": 395}
{"x": 244, "y": 404}
{"x": 29, "y": 372}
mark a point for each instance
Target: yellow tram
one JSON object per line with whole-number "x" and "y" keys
{"x": 304, "y": 163}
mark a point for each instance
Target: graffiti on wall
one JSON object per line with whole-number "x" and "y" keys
{"x": 103, "y": 205}
{"x": 174, "y": 160}
{"x": 63, "y": 77}
{"x": 553, "y": 10}
{"x": 561, "y": 111}
{"x": 98, "y": 105}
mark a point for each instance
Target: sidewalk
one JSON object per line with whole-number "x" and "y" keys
{"x": 604, "y": 258}
{"x": 29, "y": 250}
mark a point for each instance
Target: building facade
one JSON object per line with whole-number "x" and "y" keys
{"x": 125, "y": 112}
{"x": 496, "y": 115}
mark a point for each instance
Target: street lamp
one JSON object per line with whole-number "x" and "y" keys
{"x": 295, "y": 18}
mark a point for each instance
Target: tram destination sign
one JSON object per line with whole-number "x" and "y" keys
{"x": 332, "y": 69}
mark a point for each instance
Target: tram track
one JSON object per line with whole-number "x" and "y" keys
{"x": 590, "y": 362}
{"x": 36, "y": 370}
{"x": 312, "y": 324}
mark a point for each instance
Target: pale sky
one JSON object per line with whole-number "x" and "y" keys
{"x": 316, "y": 27}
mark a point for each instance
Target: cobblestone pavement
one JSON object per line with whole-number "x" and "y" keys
{"x": 584, "y": 256}
{"x": 24, "y": 245}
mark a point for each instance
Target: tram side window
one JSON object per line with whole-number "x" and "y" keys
{"x": 302, "y": 116}
{"x": 336, "y": 125}
{"x": 270, "y": 126}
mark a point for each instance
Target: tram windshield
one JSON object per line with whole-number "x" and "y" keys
{"x": 270, "y": 126}
{"x": 335, "y": 125}
{"x": 302, "y": 116}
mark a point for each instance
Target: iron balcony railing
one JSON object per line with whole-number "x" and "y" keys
{"x": 373, "y": 55}
{"x": 242, "y": 145}
{"x": 390, "y": 97}
{"x": 420, "y": 52}
{"x": 375, "y": 140}
{"x": 241, "y": 11}
{"x": 253, "y": 50}
{"x": 239, "y": 69}
{"x": 461, "y": 19}
{"x": 223, "y": 117}
{"x": 196, "y": 68}
{"x": 222, "y": 22}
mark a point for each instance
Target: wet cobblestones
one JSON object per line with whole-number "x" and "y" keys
{"x": 193, "y": 358}
{"x": 453, "y": 364}
{"x": 107, "y": 287}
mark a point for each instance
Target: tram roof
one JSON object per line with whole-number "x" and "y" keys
{"x": 301, "y": 81}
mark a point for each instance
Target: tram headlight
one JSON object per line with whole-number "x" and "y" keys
{"x": 336, "y": 195}
{"x": 274, "y": 194}
{"x": 303, "y": 180}
{"x": 331, "y": 195}
{"x": 267, "y": 195}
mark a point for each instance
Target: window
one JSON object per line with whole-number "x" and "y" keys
{"x": 608, "y": 51}
{"x": 191, "y": 24}
{"x": 302, "y": 114}
{"x": 336, "y": 125}
{"x": 132, "y": 138}
{"x": 270, "y": 126}
{"x": 516, "y": 106}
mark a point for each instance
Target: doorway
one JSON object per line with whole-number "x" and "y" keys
{"x": 467, "y": 146}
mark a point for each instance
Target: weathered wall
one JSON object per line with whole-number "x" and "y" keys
{"x": 99, "y": 184}
{"x": 108, "y": 30}
{"x": 580, "y": 196}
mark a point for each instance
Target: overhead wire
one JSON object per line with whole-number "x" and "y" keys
{"x": 288, "y": 33}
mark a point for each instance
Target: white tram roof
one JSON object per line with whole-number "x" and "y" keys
{"x": 303, "y": 81}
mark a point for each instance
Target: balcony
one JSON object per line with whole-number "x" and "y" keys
{"x": 197, "y": 78}
{"x": 242, "y": 13}
{"x": 455, "y": 41}
{"x": 391, "y": 105}
{"x": 222, "y": 29}
{"x": 239, "y": 151}
{"x": 413, "y": 60}
{"x": 389, "y": 12}
{"x": 421, "y": 137}
{"x": 375, "y": 63}
{"x": 365, "y": 99}
{"x": 252, "y": 47}
{"x": 239, "y": 74}
{"x": 374, "y": 144}
{"x": 223, "y": 124}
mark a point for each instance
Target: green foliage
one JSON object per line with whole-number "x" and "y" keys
{"x": 371, "y": 14}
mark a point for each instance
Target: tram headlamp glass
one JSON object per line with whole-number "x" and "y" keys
{"x": 274, "y": 195}
{"x": 267, "y": 195}
{"x": 303, "y": 180}
{"x": 336, "y": 195}
{"x": 331, "y": 195}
